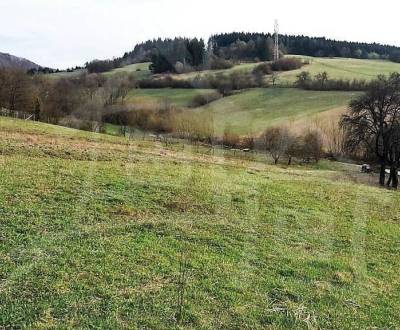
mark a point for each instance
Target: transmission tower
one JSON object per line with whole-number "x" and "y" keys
{"x": 276, "y": 46}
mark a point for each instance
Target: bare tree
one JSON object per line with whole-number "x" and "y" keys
{"x": 274, "y": 78}
{"x": 275, "y": 142}
{"x": 312, "y": 147}
{"x": 373, "y": 118}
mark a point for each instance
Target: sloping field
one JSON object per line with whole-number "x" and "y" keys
{"x": 254, "y": 110}
{"x": 342, "y": 68}
{"x": 176, "y": 96}
{"x": 139, "y": 70}
{"x": 242, "y": 67}
{"x": 101, "y": 232}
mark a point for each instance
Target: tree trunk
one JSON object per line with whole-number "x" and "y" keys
{"x": 290, "y": 161}
{"x": 389, "y": 182}
{"x": 395, "y": 177}
{"x": 382, "y": 175}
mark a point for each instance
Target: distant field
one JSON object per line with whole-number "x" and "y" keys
{"x": 344, "y": 68}
{"x": 175, "y": 96}
{"x": 107, "y": 233}
{"x": 139, "y": 70}
{"x": 244, "y": 67}
{"x": 67, "y": 74}
{"x": 257, "y": 109}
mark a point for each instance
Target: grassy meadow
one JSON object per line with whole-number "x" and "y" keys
{"x": 103, "y": 232}
{"x": 256, "y": 109}
{"x": 341, "y": 68}
{"x": 139, "y": 70}
{"x": 175, "y": 96}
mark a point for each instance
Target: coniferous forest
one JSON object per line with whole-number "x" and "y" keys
{"x": 184, "y": 54}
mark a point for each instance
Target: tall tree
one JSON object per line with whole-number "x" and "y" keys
{"x": 373, "y": 119}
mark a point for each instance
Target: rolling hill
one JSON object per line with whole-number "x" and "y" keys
{"x": 342, "y": 68}
{"x": 8, "y": 61}
{"x": 176, "y": 96}
{"x": 254, "y": 110}
{"x": 105, "y": 232}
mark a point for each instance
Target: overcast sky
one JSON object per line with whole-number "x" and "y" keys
{"x": 64, "y": 33}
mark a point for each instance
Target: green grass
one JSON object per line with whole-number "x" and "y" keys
{"x": 72, "y": 74}
{"x": 254, "y": 110}
{"x": 342, "y": 68}
{"x": 94, "y": 229}
{"x": 243, "y": 67}
{"x": 139, "y": 70}
{"x": 176, "y": 96}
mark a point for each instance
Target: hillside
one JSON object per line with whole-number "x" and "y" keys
{"x": 8, "y": 61}
{"x": 176, "y": 96}
{"x": 97, "y": 230}
{"x": 254, "y": 110}
{"x": 342, "y": 68}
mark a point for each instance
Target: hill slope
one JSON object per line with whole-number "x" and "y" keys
{"x": 254, "y": 110}
{"x": 8, "y": 61}
{"x": 96, "y": 231}
{"x": 342, "y": 68}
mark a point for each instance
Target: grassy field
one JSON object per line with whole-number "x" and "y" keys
{"x": 139, "y": 70}
{"x": 254, "y": 110}
{"x": 345, "y": 68}
{"x": 101, "y": 232}
{"x": 243, "y": 67}
{"x": 72, "y": 74}
{"x": 176, "y": 96}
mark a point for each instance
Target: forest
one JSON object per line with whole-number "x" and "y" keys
{"x": 222, "y": 50}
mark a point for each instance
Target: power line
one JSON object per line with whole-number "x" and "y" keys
{"x": 276, "y": 46}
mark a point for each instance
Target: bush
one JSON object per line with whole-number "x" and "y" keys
{"x": 264, "y": 68}
{"x": 230, "y": 138}
{"x": 395, "y": 57}
{"x": 276, "y": 142}
{"x": 218, "y": 63}
{"x": 287, "y": 64}
{"x": 373, "y": 56}
{"x": 322, "y": 82}
{"x": 203, "y": 99}
{"x": 222, "y": 82}
{"x": 312, "y": 146}
{"x": 167, "y": 82}
{"x": 85, "y": 125}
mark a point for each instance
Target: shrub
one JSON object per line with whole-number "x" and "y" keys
{"x": 395, "y": 57}
{"x": 287, "y": 64}
{"x": 264, "y": 68}
{"x": 85, "y": 125}
{"x": 203, "y": 99}
{"x": 230, "y": 138}
{"x": 321, "y": 82}
{"x": 276, "y": 142}
{"x": 218, "y": 63}
{"x": 312, "y": 146}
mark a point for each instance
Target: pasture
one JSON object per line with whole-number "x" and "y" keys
{"x": 341, "y": 68}
{"x": 254, "y": 110}
{"x": 175, "y": 96}
{"x": 104, "y": 232}
{"x": 138, "y": 70}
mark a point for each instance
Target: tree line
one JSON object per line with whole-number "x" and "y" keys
{"x": 185, "y": 54}
{"x": 309, "y": 46}
{"x": 322, "y": 82}
{"x": 77, "y": 102}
